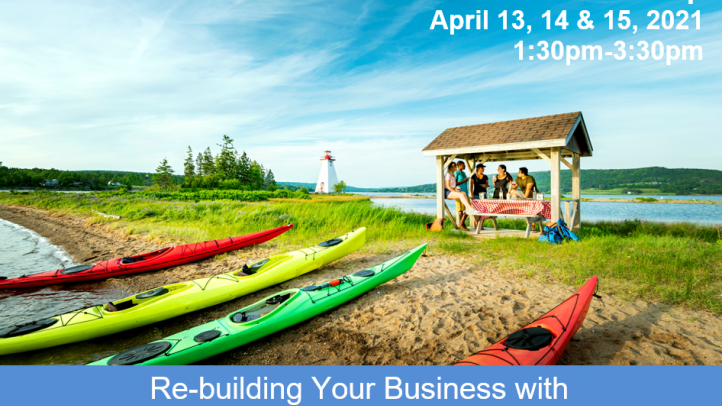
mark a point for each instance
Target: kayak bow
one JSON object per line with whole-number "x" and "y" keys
{"x": 174, "y": 300}
{"x": 543, "y": 341}
{"x": 267, "y": 316}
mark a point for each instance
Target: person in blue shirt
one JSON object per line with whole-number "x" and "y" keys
{"x": 462, "y": 182}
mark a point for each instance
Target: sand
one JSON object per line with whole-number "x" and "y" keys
{"x": 441, "y": 311}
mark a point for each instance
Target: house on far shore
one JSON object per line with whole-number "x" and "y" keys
{"x": 111, "y": 183}
{"x": 52, "y": 182}
{"x": 76, "y": 183}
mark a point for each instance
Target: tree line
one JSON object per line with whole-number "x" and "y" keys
{"x": 228, "y": 169}
{"x": 94, "y": 180}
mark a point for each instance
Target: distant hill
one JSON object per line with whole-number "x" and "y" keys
{"x": 650, "y": 180}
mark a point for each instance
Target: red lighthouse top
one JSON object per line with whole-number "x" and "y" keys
{"x": 327, "y": 156}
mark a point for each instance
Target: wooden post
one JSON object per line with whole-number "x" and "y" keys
{"x": 576, "y": 224}
{"x": 471, "y": 161}
{"x": 440, "y": 187}
{"x": 555, "y": 183}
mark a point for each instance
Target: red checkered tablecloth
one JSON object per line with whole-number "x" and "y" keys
{"x": 494, "y": 207}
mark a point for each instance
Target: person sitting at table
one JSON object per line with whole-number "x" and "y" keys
{"x": 451, "y": 193}
{"x": 479, "y": 183}
{"x": 502, "y": 180}
{"x": 525, "y": 183}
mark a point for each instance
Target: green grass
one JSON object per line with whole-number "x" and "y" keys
{"x": 679, "y": 264}
{"x": 674, "y": 270}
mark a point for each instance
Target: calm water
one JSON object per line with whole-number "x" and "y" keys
{"x": 707, "y": 214}
{"x": 658, "y": 197}
{"x": 24, "y": 252}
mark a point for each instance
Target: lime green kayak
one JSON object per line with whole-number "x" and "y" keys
{"x": 174, "y": 300}
{"x": 267, "y": 316}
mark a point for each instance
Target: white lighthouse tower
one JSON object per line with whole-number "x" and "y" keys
{"x": 327, "y": 178}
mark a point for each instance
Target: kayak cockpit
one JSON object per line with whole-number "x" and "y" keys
{"x": 27, "y": 328}
{"x": 143, "y": 257}
{"x": 76, "y": 269}
{"x": 264, "y": 308}
{"x": 261, "y": 266}
{"x": 145, "y": 298}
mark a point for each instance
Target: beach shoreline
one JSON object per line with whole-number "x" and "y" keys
{"x": 446, "y": 308}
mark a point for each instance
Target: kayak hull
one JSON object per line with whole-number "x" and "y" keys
{"x": 178, "y": 299}
{"x": 563, "y": 322}
{"x": 160, "y": 259}
{"x": 184, "y": 348}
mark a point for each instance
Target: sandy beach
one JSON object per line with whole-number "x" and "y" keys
{"x": 441, "y": 311}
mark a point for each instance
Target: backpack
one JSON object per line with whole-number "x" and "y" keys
{"x": 556, "y": 233}
{"x": 437, "y": 225}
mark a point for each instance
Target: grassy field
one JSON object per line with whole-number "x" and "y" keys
{"x": 678, "y": 264}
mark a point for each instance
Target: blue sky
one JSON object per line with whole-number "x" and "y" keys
{"x": 120, "y": 84}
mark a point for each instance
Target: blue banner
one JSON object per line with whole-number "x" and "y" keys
{"x": 397, "y": 385}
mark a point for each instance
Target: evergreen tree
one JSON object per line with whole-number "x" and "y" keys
{"x": 199, "y": 165}
{"x": 270, "y": 181}
{"x": 208, "y": 164}
{"x": 244, "y": 170}
{"x": 226, "y": 161}
{"x": 189, "y": 168}
{"x": 256, "y": 176}
{"x": 164, "y": 175}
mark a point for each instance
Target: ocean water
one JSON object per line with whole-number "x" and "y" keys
{"x": 24, "y": 252}
{"x": 703, "y": 214}
{"x": 658, "y": 197}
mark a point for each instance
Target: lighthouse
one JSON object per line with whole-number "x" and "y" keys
{"x": 327, "y": 178}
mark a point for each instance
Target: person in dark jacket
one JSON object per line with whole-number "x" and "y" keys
{"x": 502, "y": 180}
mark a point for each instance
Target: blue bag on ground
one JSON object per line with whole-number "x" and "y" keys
{"x": 556, "y": 233}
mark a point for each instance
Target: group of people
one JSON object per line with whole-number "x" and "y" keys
{"x": 457, "y": 185}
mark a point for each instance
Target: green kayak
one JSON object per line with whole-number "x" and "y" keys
{"x": 267, "y": 316}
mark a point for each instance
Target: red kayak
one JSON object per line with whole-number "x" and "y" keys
{"x": 163, "y": 258}
{"x": 543, "y": 341}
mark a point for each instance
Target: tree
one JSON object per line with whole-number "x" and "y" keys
{"x": 244, "y": 170}
{"x": 256, "y": 177}
{"x": 199, "y": 165}
{"x": 270, "y": 181}
{"x": 339, "y": 187}
{"x": 208, "y": 163}
{"x": 226, "y": 161}
{"x": 164, "y": 175}
{"x": 189, "y": 168}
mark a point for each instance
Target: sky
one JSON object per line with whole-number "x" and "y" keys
{"x": 120, "y": 85}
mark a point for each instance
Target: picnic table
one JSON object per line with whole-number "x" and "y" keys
{"x": 533, "y": 211}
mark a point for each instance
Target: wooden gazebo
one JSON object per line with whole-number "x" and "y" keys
{"x": 557, "y": 139}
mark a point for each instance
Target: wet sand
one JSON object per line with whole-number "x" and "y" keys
{"x": 441, "y": 311}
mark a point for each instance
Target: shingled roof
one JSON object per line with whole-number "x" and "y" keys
{"x": 538, "y": 132}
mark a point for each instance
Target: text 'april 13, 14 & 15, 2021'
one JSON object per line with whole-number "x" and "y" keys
{"x": 619, "y": 20}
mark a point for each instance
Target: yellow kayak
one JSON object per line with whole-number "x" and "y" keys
{"x": 174, "y": 300}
